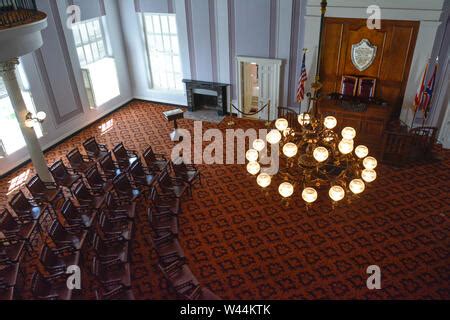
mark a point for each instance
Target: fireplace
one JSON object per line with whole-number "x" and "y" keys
{"x": 207, "y": 96}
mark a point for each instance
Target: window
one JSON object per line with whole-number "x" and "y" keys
{"x": 11, "y": 137}
{"x": 98, "y": 67}
{"x": 163, "y": 51}
{"x": 89, "y": 41}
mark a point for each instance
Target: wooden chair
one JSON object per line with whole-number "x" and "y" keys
{"x": 142, "y": 176}
{"x": 114, "y": 292}
{"x": 89, "y": 198}
{"x": 27, "y": 210}
{"x": 124, "y": 157}
{"x": 98, "y": 181}
{"x": 65, "y": 240}
{"x": 116, "y": 274}
{"x": 109, "y": 166}
{"x": 125, "y": 189}
{"x": 14, "y": 230}
{"x": 79, "y": 163}
{"x": 63, "y": 175}
{"x": 155, "y": 161}
{"x": 291, "y": 116}
{"x": 424, "y": 139}
{"x": 43, "y": 288}
{"x": 396, "y": 148}
{"x": 45, "y": 192}
{"x": 95, "y": 150}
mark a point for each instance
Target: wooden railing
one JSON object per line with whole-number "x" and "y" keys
{"x": 18, "y": 12}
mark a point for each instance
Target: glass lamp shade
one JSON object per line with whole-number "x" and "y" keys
{"x": 286, "y": 189}
{"x": 330, "y": 122}
{"x": 370, "y": 163}
{"x": 361, "y": 152}
{"x": 357, "y": 186}
{"x": 290, "y": 150}
{"x": 252, "y": 155}
{"x": 264, "y": 180}
{"x": 41, "y": 115}
{"x": 345, "y": 146}
{"x": 309, "y": 195}
{"x": 369, "y": 175}
{"x": 273, "y": 137}
{"x": 259, "y": 145}
{"x": 304, "y": 119}
{"x": 348, "y": 133}
{"x": 29, "y": 123}
{"x": 320, "y": 154}
{"x": 253, "y": 168}
{"x": 281, "y": 124}
{"x": 336, "y": 193}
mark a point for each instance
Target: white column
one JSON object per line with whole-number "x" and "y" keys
{"x": 8, "y": 73}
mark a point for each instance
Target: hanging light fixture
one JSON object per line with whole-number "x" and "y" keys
{"x": 314, "y": 157}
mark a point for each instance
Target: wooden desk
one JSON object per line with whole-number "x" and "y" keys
{"x": 369, "y": 125}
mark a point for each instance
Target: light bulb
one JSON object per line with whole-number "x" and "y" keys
{"x": 345, "y": 146}
{"x": 252, "y": 155}
{"x": 361, "y": 151}
{"x": 286, "y": 189}
{"x": 259, "y": 145}
{"x": 304, "y": 119}
{"x": 320, "y": 154}
{"x": 281, "y": 124}
{"x": 370, "y": 163}
{"x": 273, "y": 137}
{"x": 290, "y": 150}
{"x": 264, "y": 180}
{"x": 336, "y": 193}
{"x": 309, "y": 195}
{"x": 369, "y": 175}
{"x": 29, "y": 123}
{"x": 330, "y": 122}
{"x": 253, "y": 168}
{"x": 357, "y": 186}
{"x": 348, "y": 133}
{"x": 41, "y": 115}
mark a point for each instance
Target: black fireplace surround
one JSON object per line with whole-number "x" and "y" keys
{"x": 197, "y": 100}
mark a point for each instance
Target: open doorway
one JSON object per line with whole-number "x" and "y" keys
{"x": 250, "y": 88}
{"x": 258, "y": 85}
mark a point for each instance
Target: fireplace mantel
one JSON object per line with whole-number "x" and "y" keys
{"x": 220, "y": 88}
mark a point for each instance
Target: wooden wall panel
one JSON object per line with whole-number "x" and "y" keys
{"x": 395, "y": 43}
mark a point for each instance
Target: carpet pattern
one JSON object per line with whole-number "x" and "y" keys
{"x": 242, "y": 244}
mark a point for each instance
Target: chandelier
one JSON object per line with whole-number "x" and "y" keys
{"x": 314, "y": 157}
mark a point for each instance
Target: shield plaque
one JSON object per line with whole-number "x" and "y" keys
{"x": 363, "y": 54}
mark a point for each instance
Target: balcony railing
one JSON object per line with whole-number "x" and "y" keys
{"x": 18, "y": 12}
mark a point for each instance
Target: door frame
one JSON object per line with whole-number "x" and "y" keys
{"x": 272, "y": 85}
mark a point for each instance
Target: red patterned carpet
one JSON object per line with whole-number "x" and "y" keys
{"x": 242, "y": 244}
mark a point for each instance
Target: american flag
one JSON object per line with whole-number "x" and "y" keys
{"x": 428, "y": 94}
{"x": 301, "y": 81}
{"x": 418, "y": 99}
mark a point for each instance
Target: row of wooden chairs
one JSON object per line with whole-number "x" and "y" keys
{"x": 164, "y": 209}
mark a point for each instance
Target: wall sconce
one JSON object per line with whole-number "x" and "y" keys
{"x": 30, "y": 119}
{"x": 2, "y": 150}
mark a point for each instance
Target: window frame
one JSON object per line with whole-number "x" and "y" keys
{"x": 82, "y": 45}
{"x": 156, "y": 85}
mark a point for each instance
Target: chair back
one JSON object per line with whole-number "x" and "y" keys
{"x": 424, "y": 139}
{"x": 36, "y": 186}
{"x": 91, "y": 145}
{"x": 291, "y": 116}
{"x": 59, "y": 170}
{"x": 149, "y": 156}
{"x": 75, "y": 158}
{"x": 20, "y": 203}
{"x": 396, "y": 148}
{"x": 120, "y": 152}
